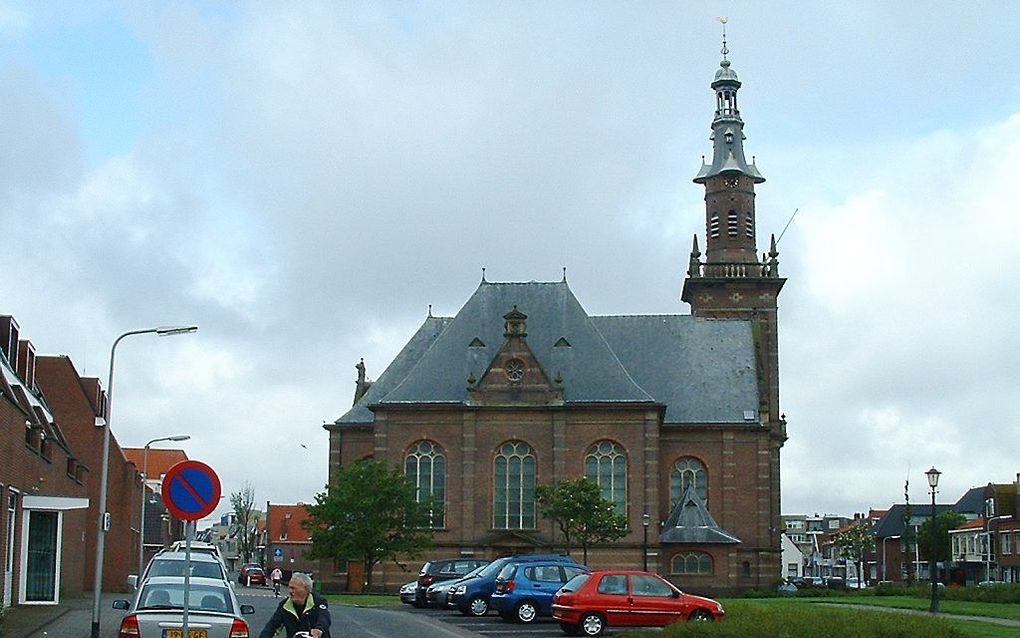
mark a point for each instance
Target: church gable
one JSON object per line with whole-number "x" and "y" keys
{"x": 515, "y": 376}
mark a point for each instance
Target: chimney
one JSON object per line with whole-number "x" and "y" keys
{"x": 26, "y": 363}
{"x": 9, "y": 332}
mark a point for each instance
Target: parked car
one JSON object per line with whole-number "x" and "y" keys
{"x": 157, "y": 609}
{"x": 471, "y": 595}
{"x": 198, "y": 547}
{"x": 436, "y": 594}
{"x": 251, "y": 575}
{"x": 591, "y": 602}
{"x": 407, "y": 592}
{"x": 440, "y": 570}
{"x": 169, "y": 563}
{"x": 524, "y": 591}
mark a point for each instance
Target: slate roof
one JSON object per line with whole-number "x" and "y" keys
{"x": 972, "y": 502}
{"x": 690, "y": 522}
{"x": 703, "y": 371}
{"x": 891, "y": 524}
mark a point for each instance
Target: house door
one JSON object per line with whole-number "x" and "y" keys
{"x": 43, "y": 548}
{"x": 12, "y": 510}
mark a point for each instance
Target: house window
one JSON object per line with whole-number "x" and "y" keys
{"x": 692, "y": 564}
{"x": 425, "y": 468}
{"x": 1007, "y": 547}
{"x": 606, "y": 464}
{"x": 513, "y": 474}
{"x": 687, "y": 471}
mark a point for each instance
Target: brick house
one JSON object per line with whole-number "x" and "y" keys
{"x": 675, "y": 416}
{"x": 76, "y": 402}
{"x": 42, "y": 480}
{"x": 161, "y": 529}
{"x": 1007, "y": 533}
{"x": 287, "y": 541}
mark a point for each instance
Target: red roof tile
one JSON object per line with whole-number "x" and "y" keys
{"x": 159, "y": 461}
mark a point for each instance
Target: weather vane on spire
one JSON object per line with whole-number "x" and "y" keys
{"x": 723, "y": 20}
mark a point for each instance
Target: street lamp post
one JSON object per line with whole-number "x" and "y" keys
{"x": 145, "y": 477}
{"x": 645, "y": 519}
{"x": 105, "y": 465}
{"x": 933, "y": 482}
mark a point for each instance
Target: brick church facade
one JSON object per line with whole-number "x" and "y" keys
{"x": 675, "y": 416}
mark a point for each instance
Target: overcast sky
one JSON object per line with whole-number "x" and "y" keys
{"x": 303, "y": 179}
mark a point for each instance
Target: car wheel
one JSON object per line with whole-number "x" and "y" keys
{"x": 570, "y": 630}
{"x": 700, "y": 615}
{"x": 478, "y": 606}
{"x": 527, "y": 612}
{"x": 592, "y": 624}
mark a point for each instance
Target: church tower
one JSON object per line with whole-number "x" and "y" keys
{"x": 732, "y": 282}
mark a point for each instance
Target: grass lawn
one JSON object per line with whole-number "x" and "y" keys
{"x": 961, "y": 607}
{"x": 365, "y": 600}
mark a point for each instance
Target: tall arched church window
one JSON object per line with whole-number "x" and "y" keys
{"x": 687, "y": 471}
{"x": 513, "y": 475}
{"x": 425, "y": 468}
{"x": 605, "y": 463}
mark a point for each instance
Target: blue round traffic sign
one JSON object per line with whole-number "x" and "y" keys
{"x": 277, "y": 552}
{"x": 191, "y": 490}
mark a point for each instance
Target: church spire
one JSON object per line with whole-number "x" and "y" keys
{"x": 727, "y": 127}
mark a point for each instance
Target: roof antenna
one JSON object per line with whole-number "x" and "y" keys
{"x": 564, "y": 274}
{"x": 723, "y": 20}
{"x": 787, "y": 224}
{"x": 483, "y": 274}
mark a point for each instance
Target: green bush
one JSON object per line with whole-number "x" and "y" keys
{"x": 748, "y": 619}
{"x": 1002, "y": 593}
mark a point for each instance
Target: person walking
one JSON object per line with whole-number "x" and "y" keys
{"x": 302, "y": 610}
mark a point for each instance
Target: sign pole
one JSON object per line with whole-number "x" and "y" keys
{"x": 189, "y": 531}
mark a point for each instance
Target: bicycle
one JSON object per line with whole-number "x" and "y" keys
{"x": 276, "y": 588}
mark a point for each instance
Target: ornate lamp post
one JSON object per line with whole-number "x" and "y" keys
{"x": 145, "y": 478}
{"x": 104, "y": 421}
{"x": 645, "y": 520}
{"x": 933, "y": 482}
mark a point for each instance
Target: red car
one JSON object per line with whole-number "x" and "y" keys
{"x": 251, "y": 575}
{"x": 589, "y": 603}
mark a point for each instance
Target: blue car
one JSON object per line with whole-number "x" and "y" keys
{"x": 471, "y": 595}
{"x": 524, "y": 591}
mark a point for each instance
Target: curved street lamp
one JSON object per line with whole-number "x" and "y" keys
{"x": 145, "y": 477}
{"x": 104, "y": 421}
{"x": 933, "y": 483}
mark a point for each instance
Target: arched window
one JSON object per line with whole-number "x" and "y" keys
{"x": 692, "y": 564}
{"x": 425, "y": 468}
{"x": 606, "y": 464}
{"x": 513, "y": 476}
{"x": 685, "y": 472}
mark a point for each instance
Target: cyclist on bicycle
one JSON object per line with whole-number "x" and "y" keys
{"x": 276, "y": 576}
{"x": 302, "y": 611}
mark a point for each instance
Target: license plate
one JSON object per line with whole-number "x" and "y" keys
{"x": 179, "y": 633}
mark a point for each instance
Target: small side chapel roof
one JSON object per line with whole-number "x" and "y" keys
{"x": 690, "y": 522}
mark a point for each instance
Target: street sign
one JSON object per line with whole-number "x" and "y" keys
{"x": 191, "y": 490}
{"x": 277, "y": 552}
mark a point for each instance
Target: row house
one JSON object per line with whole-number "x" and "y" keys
{"x": 161, "y": 529}
{"x": 225, "y": 536}
{"x": 42, "y": 481}
{"x": 986, "y": 549}
{"x": 812, "y": 535}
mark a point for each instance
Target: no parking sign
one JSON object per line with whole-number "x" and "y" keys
{"x": 191, "y": 490}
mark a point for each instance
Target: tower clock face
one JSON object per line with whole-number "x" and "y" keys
{"x": 731, "y": 182}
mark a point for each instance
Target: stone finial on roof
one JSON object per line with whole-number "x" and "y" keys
{"x": 694, "y": 264}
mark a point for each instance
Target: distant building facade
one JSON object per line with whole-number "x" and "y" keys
{"x": 674, "y": 416}
{"x": 161, "y": 528}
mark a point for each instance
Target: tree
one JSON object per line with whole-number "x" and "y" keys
{"x": 943, "y": 523}
{"x": 245, "y": 527}
{"x": 369, "y": 513}
{"x": 577, "y": 508}
{"x": 854, "y": 543}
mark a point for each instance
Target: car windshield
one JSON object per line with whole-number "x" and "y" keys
{"x": 171, "y": 596}
{"x": 493, "y": 568}
{"x": 177, "y": 567}
{"x": 507, "y": 571}
{"x": 575, "y": 583}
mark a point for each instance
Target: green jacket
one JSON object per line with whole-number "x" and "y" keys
{"x": 314, "y": 616}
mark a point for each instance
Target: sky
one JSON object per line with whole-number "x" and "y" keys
{"x": 302, "y": 180}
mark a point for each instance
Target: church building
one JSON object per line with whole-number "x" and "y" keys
{"x": 676, "y": 417}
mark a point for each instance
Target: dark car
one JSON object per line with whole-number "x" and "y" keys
{"x": 436, "y": 594}
{"x": 251, "y": 575}
{"x": 524, "y": 591}
{"x": 471, "y": 596}
{"x": 436, "y": 571}
{"x": 591, "y": 602}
